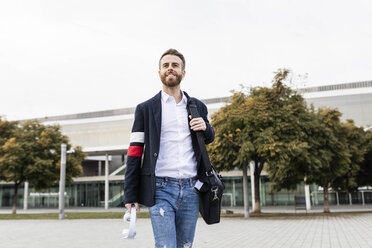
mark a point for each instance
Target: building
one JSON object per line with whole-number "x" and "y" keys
{"x": 104, "y": 136}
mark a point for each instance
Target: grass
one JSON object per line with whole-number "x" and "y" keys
{"x": 82, "y": 215}
{"x": 119, "y": 215}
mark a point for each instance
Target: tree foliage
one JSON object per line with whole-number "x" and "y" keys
{"x": 331, "y": 154}
{"x": 7, "y": 130}
{"x": 364, "y": 176}
{"x": 355, "y": 142}
{"x": 263, "y": 127}
{"x": 275, "y": 127}
{"x": 31, "y": 152}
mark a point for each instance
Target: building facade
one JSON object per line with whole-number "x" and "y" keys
{"x": 104, "y": 136}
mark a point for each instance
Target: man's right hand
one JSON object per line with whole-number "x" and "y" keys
{"x": 129, "y": 206}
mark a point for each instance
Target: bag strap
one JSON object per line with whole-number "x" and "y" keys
{"x": 212, "y": 176}
{"x": 200, "y": 137}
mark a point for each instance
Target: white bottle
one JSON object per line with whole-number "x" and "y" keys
{"x": 130, "y": 217}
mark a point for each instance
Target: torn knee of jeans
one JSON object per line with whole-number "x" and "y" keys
{"x": 187, "y": 245}
{"x": 161, "y": 211}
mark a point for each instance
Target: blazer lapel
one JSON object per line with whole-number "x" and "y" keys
{"x": 156, "y": 109}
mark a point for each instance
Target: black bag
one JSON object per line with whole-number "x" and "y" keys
{"x": 210, "y": 194}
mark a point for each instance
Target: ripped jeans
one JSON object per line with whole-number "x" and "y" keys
{"x": 175, "y": 213}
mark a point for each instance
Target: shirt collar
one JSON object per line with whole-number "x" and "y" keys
{"x": 165, "y": 97}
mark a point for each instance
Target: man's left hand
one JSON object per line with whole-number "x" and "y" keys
{"x": 197, "y": 124}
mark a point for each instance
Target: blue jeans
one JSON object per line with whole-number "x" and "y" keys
{"x": 176, "y": 210}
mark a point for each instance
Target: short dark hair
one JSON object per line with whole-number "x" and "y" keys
{"x": 175, "y": 53}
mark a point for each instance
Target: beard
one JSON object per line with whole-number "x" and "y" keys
{"x": 171, "y": 81}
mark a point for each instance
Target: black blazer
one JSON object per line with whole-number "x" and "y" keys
{"x": 139, "y": 182}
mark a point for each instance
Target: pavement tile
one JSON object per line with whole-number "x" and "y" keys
{"x": 349, "y": 230}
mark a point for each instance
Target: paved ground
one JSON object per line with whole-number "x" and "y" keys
{"x": 349, "y": 230}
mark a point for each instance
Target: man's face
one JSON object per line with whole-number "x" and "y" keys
{"x": 170, "y": 71}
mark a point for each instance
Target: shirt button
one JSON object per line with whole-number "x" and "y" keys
{"x": 155, "y": 154}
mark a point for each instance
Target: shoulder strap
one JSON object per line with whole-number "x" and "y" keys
{"x": 200, "y": 137}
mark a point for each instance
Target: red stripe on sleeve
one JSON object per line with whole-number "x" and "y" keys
{"x": 135, "y": 151}
{"x": 214, "y": 130}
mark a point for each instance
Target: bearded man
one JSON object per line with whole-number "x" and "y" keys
{"x": 164, "y": 134}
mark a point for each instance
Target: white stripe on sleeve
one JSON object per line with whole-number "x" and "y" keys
{"x": 137, "y": 137}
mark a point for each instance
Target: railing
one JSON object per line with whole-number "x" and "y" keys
{"x": 363, "y": 84}
{"x": 114, "y": 201}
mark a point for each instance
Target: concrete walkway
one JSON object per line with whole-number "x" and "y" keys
{"x": 349, "y": 230}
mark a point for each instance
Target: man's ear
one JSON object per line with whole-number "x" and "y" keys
{"x": 183, "y": 73}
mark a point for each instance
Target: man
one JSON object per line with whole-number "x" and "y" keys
{"x": 163, "y": 132}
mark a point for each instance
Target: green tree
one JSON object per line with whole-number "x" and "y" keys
{"x": 319, "y": 149}
{"x": 356, "y": 145}
{"x": 262, "y": 126}
{"x": 7, "y": 130}
{"x": 364, "y": 176}
{"x": 32, "y": 154}
{"x": 330, "y": 154}
{"x": 334, "y": 156}
{"x": 296, "y": 155}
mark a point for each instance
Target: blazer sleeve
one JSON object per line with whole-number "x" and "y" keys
{"x": 134, "y": 158}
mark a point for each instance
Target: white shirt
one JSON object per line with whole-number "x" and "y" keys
{"x": 176, "y": 155}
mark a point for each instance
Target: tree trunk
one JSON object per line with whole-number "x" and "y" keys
{"x": 245, "y": 191}
{"x": 257, "y": 201}
{"x": 326, "y": 202}
{"x": 15, "y": 197}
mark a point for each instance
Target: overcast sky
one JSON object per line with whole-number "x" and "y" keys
{"x": 61, "y": 57}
